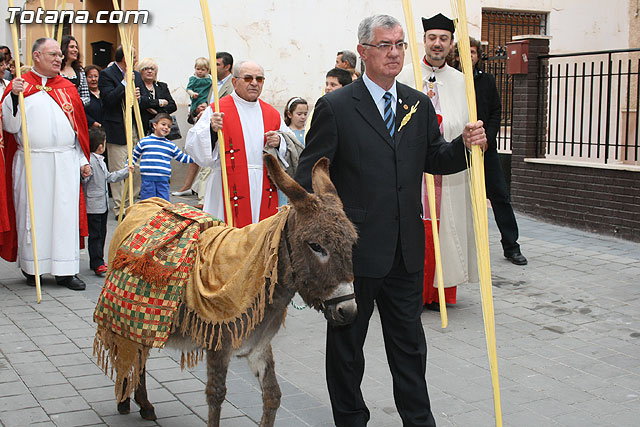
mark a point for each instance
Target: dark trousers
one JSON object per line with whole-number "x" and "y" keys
{"x": 97, "y": 235}
{"x": 498, "y": 194}
{"x": 399, "y": 300}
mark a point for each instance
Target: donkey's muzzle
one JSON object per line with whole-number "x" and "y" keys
{"x": 341, "y": 309}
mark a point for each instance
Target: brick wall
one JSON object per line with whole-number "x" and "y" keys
{"x": 594, "y": 199}
{"x": 601, "y": 200}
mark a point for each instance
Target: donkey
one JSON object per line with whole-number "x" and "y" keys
{"x": 314, "y": 260}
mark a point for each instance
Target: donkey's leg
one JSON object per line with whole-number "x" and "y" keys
{"x": 146, "y": 408}
{"x": 124, "y": 407}
{"x": 216, "y": 390}
{"x": 262, "y": 365}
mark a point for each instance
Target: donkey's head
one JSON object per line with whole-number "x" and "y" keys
{"x": 320, "y": 241}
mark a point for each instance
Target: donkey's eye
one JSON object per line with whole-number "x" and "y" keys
{"x": 317, "y": 248}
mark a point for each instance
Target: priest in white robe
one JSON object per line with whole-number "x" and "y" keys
{"x": 57, "y": 130}
{"x": 247, "y": 123}
{"x": 445, "y": 87}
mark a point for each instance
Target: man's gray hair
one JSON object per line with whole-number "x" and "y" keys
{"x": 238, "y": 67}
{"x": 349, "y": 57}
{"x": 38, "y": 43}
{"x": 369, "y": 24}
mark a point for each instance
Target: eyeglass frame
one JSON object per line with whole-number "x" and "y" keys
{"x": 388, "y": 46}
{"x": 248, "y": 78}
{"x": 58, "y": 55}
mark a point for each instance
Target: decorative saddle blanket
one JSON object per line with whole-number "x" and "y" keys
{"x": 174, "y": 267}
{"x": 146, "y": 279}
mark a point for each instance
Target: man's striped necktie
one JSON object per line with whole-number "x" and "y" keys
{"x": 389, "y": 117}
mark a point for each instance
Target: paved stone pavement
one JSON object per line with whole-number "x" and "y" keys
{"x": 567, "y": 326}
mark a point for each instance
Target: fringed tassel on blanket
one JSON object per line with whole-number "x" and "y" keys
{"x": 144, "y": 266}
{"x": 191, "y": 359}
{"x": 127, "y": 357}
{"x": 209, "y": 335}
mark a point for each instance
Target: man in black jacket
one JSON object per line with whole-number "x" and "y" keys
{"x": 380, "y": 137}
{"x": 112, "y": 90}
{"x": 488, "y": 105}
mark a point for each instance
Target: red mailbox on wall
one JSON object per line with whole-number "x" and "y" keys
{"x": 518, "y": 57}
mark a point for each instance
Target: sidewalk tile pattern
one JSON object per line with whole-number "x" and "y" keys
{"x": 567, "y": 327}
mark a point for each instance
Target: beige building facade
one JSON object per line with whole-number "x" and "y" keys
{"x": 297, "y": 42}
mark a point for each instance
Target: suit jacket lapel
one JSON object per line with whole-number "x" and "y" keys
{"x": 369, "y": 111}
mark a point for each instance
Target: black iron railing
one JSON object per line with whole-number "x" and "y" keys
{"x": 588, "y": 106}
{"x": 497, "y": 66}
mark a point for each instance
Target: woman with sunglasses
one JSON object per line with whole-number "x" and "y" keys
{"x": 155, "y": 96}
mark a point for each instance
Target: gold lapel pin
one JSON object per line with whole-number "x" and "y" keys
{"x": 407, "y": 117}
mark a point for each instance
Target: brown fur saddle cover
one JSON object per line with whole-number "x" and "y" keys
{"x": 183, "y": 270}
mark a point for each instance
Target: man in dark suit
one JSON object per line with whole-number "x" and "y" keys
{"x": 488, "y": 105}
{"x": 380, "y": 137}
{"x": 112, "y": 86}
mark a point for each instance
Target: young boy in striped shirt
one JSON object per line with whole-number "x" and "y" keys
{"x": 155, "y": 153}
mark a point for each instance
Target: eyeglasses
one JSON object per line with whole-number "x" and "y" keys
{"x": 53, "y": 54}
{"x": 248, "y": 78}
{"x": 388, "y": 46}
{"x": 148, "y": 68}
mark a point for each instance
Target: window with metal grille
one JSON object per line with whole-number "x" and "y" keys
{"x": 498, "y": 27}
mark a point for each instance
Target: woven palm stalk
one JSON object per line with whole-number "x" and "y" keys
{"x": 208, "y": 27}
{"x": 27, "y": 158}
{"x": 431, "y": 189}
{"x": 60, "y": 25}
{"x": 479, "y": 198}
{"x": 126, "y": 38}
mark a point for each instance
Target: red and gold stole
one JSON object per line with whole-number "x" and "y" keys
{"x": 65, "y": 94}
{"x": 236, "y": 161}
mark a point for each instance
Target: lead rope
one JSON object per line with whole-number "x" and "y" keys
{"x": 298, "y": 307}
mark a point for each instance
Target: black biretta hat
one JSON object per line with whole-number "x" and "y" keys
{"x": 438, "y": 22}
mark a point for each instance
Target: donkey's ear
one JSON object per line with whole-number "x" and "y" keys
{"x": 294, "y": 191}
{"x": 320, "y": 178}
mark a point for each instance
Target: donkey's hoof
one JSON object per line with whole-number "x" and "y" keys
{"x": 148, "y": 414}
{"x": 124, "y": 407}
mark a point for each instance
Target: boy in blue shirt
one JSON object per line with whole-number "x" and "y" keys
{"x": 155, "y": 153}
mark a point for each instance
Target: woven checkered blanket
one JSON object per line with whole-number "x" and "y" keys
{"x": 146, "y": 280}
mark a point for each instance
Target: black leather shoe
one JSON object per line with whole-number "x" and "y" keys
{"x": 72, "y": 282}
{"x": 517, "y": 258}
{"x": 31, "y": 279}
